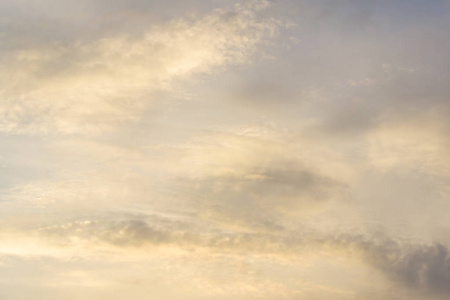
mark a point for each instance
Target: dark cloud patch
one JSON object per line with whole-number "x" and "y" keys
{"x": 122, "y": 233}
{"x": 263, "y": 194}
{"x": 423, "y": 267}
{"x": 420, "y": 267}
{"x": 140, "y": 233}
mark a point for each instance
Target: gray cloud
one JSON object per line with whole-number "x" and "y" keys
{"x": 421, "y": 267}
{"x": 369, "y": 62}
{"x": 266, "y": 193}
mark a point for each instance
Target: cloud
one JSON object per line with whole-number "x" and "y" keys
{"x": 253, "y": 180}
{"x": 421, "y": 267}
{"x": 398, "y": 144}
{"x": 369, "y": 63}
{"x": 263, "y": 195}
{"x": 256, "y": 181}
{"x": 408, "y": 267}
{"x": 87, "y": 86}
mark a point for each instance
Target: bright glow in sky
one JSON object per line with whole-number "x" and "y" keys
{"x": 224, "y": 149}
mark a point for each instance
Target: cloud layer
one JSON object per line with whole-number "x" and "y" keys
{"x": 224, "y": 150}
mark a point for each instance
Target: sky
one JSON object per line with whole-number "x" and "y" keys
{"x": 224, "y": 149}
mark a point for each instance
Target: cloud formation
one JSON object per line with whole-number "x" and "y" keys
{"x": 80, "y": 86}
{"x": 244, "y": 149}
{"x": 420, "y": 267}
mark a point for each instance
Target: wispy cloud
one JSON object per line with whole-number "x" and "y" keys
{"x": 195, "y": 149}
{"x": 82, "y": 86}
